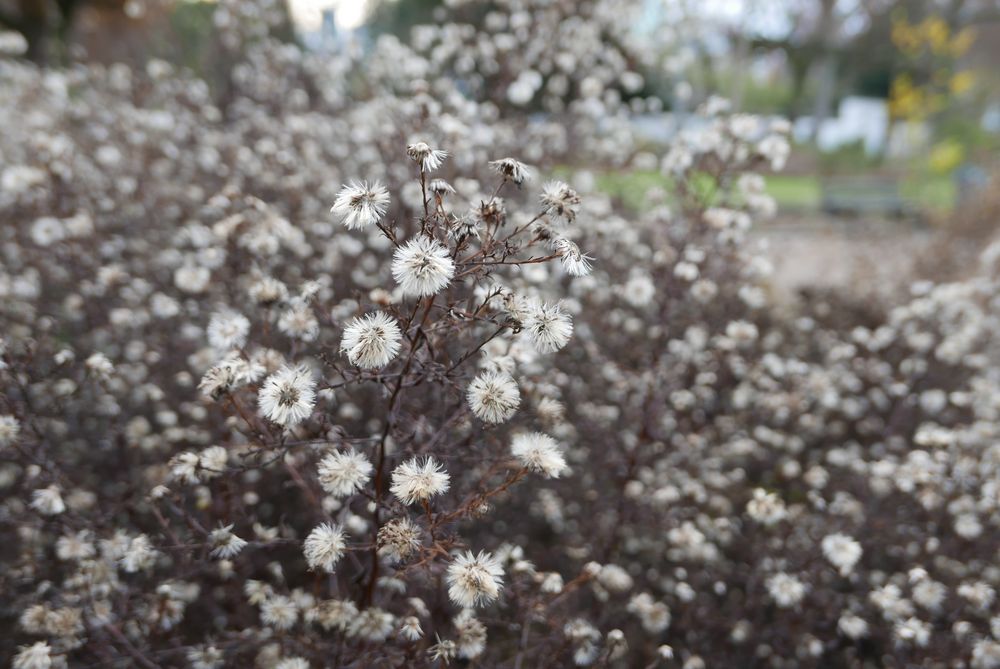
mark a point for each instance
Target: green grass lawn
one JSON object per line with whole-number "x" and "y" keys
{"x": 935, "y": 192}
{"x": 792, "y": 192}
{"x": 795, "y": 192}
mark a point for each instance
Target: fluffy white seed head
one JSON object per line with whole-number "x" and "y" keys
{"x": 360, "y": 204}
{"x": 540, "y": 453}
{"x": 493, "y": 397}
{"x": 298, "y": 321}
{"x": 559, "y": 200}
{"x": 343, "y": 473}
{"x": 228, "y": 330}
{"x": 474, "y": 580}
{"x": 422, "y": 267}
{"x": 324, "y": 546}
{"x": 441, "y": 188}
{"x": 511, "y": 170}
{"x": 410, "y": 629}
{"x": 548, "y": 327}
{"x": 766, "y": 507}
{"x": 471, "y": 633}
{"x": 852, "y": 626}
{"x": 372, "y": 624}
{"x": 288, "y": 396}
{"x": 279, "y": 612}
{"x": 443, "y": 651}
{"x": 428, "y": 158}
{"x": 231, "y": 373}
{"x": 372, "y": 341}
{"x": 225, "y": 544}
{"x": 416, "y": 481}
{"x": 398, "y": 538}
{"x": 10, "y": 428}
{"x": 48, "y": 501}
{"x": 36, "y": 656}
{"x": 574, "y": 261}
{"x": 786, "y": 590}
{"x": 842, "y": 551}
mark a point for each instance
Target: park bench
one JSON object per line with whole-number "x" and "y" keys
{"x": 869, "y": 195}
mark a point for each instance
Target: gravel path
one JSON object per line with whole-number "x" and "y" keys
{"x": 832, "y": 252}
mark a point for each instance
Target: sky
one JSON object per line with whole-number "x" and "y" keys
{"x": 308, "y": 13}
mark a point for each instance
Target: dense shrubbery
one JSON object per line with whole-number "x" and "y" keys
{"x": 468, "y": 415}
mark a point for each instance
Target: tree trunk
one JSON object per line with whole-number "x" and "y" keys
{"x": 741, "y": 58}
{"x": 38, "y": 44}
{"x": 31, "y": 20}
{"x": 826, "y": 79}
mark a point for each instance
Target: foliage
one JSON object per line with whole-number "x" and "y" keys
{"x": 397, "y": 17}
{"x": 931, "y": 80}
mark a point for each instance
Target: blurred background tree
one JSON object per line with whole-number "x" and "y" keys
{"x": 837, "y": 47}
{"x": 181, "y": 31}
{"x": 396, "y": 17}
{"x": 930, "y": 76}
{"x": 796, "y": 58}
{"x": 46, "y": 24}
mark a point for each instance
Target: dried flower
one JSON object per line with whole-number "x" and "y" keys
{"x": 225, "y": 544}
{"x": 429, "y": 159}
{"x": 99, "y": 365}
{"x": 444, "y": 650}
{"x": 298, "y": 321}
{"x": 410, "y": 629}
{"x": 373, "y": 624}
{"x": 786, "y": 590}
{"x": 766, "y": 507}
{"x": 913, "y": 631}
{"x": 493, "y": 397}
{"x": 398, "y": 538}
{"x": 228, "y": 330}
{"x": 228, "y": 375}
{"x": 343, "y": 473}
{"x": 511, "y": 170}
{"x": 422, "y": 267}
{"x": 184, "y": 467}
{"x": 212, "y": 462}
{"x": 10, "y": 428}
{"x": 360, "y": 204}
{"x": 474, "y": 580}
{"x": 205, "y": 657}
{"x": 464, "y": 226}
{"x": 279, "y": 612}
{"x": 471, "y": 635}
{"x": 268, "y": 290}
{"x": 441, "y": 188}
{"x": 324, "y": 546}
{"x": 372, "y": 341}
{"x": 852, "y": 626}
{"x": 287, "y": 396}
{"x": 559, "y": 200}
{"x": 336, "y": 614}
{"x": 138, "y": 555}
{"x": 547, "y": 327}
{"x": 36, "y": 656}
{"x": 842, "y": 551}
{"x": 48, "y": 501}
{"x": 573, "y": 260}
{"x": 415, "y": 481}
{"x": 539, "y": 453}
